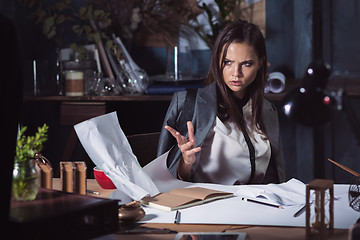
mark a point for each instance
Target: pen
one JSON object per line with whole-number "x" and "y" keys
{"x": 263, "y": 203}
{"x": 177, "y": 217}
{"x": 92, "y": 192}
{"x": 298, "y": 213}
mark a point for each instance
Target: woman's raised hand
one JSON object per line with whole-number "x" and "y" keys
{"x": 187, "y": 148}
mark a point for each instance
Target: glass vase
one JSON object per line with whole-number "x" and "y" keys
{"x": 25, "y": 184}
{"x": 132, "y": 78}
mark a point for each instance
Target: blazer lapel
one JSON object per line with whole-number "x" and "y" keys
{"x": 204, "y": 112}
{"x": 271, "y": 123}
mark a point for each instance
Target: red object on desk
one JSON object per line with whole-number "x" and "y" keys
{"x": 103, "y": 180}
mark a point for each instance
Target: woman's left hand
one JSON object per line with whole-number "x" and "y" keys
{"x": 187, "y": 148}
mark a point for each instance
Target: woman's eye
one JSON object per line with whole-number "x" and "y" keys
{"x": 227, "y": 62}
{"x": 247, "y": 64}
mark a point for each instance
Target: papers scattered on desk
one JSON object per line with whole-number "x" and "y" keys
{"x": 290, "y": 193}
{"x": 108, "y": 147}
{"x": 236, "y": 211}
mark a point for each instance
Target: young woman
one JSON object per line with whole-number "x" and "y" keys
{"x": 233, "y": 137}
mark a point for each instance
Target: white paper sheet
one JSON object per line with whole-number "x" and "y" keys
{"x": 108, "y": 147}
{"x": 235, "y": 211}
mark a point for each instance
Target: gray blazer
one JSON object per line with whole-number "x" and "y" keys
{"x": 204, "y": 116}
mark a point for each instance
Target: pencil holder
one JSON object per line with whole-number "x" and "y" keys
{"x": 45, "y": 171}
{"x": 320, "y": 209}
{"x": 67, "y": 176}
{"x": 73, "y": 177}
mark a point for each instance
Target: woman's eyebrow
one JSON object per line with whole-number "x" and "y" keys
{"x": 242, "y": 62}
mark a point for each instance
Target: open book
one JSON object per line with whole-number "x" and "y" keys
{"x": 184, "y": 197}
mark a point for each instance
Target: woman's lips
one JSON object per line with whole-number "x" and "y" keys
{"x": 236, "y": 83}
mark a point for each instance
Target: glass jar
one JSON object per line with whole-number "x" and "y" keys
{"x": 25, "y": 183}
{"x": 87, "y": 67}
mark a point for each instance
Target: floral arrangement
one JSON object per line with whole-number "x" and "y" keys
{"x": 122, "y": 17}
{"x": 125, "y": 18}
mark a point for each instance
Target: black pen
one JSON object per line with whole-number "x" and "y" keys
{"x": 177, "y": 217}
{"x": 298, "y": 213}
{"x": 263, "y": 203}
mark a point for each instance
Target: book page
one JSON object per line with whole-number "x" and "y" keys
{"x": 170, "y": 200}
{"x": 198, "y": 193}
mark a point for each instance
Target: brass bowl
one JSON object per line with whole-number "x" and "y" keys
{"x": 131, "y": 212}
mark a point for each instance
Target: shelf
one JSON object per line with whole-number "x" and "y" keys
{"x": 125, "y": 98}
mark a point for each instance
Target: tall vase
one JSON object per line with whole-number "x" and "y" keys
{"x": 25, "y": 184}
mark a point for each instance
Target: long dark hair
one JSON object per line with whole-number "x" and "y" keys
{"x": 239, "y": 32}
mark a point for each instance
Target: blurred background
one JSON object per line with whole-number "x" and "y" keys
{"x": 288, "y": 26}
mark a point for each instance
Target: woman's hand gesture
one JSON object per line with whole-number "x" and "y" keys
{"x": 187, "y": 148}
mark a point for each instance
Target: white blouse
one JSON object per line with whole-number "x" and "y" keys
{"x": 224, "y": 157}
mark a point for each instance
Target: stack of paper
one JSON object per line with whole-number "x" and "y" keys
{"x": 108, "y": 147}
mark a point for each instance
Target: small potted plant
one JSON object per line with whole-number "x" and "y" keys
{"x": 25, "y": 184}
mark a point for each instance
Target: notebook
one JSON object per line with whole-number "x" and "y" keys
{"x": 183, "y": 198}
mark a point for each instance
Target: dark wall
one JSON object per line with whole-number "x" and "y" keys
{"x": 289, "y": 35}
{"x": 289, "y": 39}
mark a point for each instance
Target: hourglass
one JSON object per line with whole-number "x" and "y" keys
{"x": 320, "y": 211}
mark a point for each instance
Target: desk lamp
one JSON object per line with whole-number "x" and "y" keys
{"x": 310, "y": 104}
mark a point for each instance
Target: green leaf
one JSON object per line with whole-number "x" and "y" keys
{"x": 97, "y": 37}
{"x": 49, "y": 28}
{"x": 98, "y": 13}
{"x": 52, "y": 33}
{"x": 60, "y": 19}
{"x": 109, "y": 44}
{"x": 74, "y": 46}
{"x": 77, "y": 29}
{"x": 89, "y": 13}
{"x": 60, "y": 6}
{"x": 82, "y": 11}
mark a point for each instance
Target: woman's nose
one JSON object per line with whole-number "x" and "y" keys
{"x": 237, "y": 71}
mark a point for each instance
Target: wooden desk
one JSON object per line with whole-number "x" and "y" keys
{"x": 91, "y": 185}
{"x": 255, "y": 232}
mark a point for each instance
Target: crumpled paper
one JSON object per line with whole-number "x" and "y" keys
{"x": 107, "y": 146}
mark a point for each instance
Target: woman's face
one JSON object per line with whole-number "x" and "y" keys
{"x": 240, "y": 67}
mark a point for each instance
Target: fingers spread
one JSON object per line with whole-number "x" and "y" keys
{"x": 186, "y": 146}
{"x": 179, "y": 138}
{"x": 171, "y": 130}
{"x": 190, "y": 127}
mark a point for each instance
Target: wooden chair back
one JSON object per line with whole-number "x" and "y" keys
{"x": 144, "y": 146}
